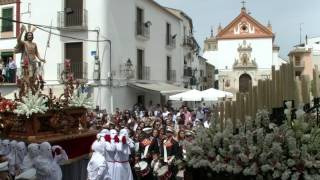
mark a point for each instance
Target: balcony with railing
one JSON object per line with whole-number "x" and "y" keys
{"x": 79, "y": 70}
{"x": 171, "y": 42}
{"x": 171, "y": 76}
{"x": 187, "y": 71}
{"x": 142, "y": 31}
{"x": 188, "y": 41}
{"x": 143, "y": 73}
{"x": 75, "y": 18}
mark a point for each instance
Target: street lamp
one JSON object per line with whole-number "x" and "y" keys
{"x": 127, "y": 70}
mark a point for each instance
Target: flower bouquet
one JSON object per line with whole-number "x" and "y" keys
{"x": 260, "y": 149}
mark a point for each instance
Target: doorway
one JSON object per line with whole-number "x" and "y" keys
{"x": 74, "y": 52}
{"x": 244, "y": 83}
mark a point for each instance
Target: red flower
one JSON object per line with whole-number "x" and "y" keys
{"x": 124, "y": 140}
{"x": 107, "y": 138}
{"x": 116, "y": 139}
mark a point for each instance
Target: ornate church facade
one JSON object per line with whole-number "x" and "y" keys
{"x": 243, "y": 52}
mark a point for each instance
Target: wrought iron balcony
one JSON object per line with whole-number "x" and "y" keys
{"x": 171, "y": 76}
{"x": 75, "y": 18}
{"x": 143, "y": 73}
{"x": 188, "y": 41}
{"x": 171, "y": 42}
{"x": 143, "y": 31}
{"x": 79, "y": 70}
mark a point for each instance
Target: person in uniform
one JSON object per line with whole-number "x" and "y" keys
{"x": 170, "y": 151}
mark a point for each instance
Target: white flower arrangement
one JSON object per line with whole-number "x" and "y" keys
{"x": 31, "y": 104}
{"x": 81, "y": 99}
{"x": 260, "y": 148}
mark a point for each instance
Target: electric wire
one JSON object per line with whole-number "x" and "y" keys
{"x": 42, "y": 28}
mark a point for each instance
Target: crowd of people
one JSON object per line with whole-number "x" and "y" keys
{"x": 144, "y": 143}
{"x": 8, "y": 71}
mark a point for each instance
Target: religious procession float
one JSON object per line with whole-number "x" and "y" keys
{"x": 34, "y": 116}
{"x": 268, "y": 133}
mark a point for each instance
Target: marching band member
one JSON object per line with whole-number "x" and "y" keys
{"x": 170, "y": 150}
{"x": 145, "y": 144}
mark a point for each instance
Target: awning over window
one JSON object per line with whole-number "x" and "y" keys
{"x": 162, "y": 88}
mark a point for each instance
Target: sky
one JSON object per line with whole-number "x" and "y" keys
{"x": 285, "y": 16}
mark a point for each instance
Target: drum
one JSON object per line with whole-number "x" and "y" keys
{"x": 164, "y": 173}
{"x": 142, "y": 168}
{"x": 180, "y": 175}
{"x": 29, "y": 174}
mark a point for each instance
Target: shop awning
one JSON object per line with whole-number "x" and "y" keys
{"x": 162, "y": 88}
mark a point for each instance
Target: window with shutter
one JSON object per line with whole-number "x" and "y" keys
{"x": 7, "y": 25}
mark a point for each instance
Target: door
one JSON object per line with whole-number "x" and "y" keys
{"x": 73, "y": 12}
{"x": 141, "y": 100}
{"x": 244, "y": 83}
{"x": 140, "y": 68}
{"x": 74, "y": 52}
{"x": 169, "y": 75}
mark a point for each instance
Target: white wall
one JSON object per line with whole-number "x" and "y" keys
{"x": 116, "y": 21}
{"x": 121, "y": 20}
{"x": 228, "y": 52}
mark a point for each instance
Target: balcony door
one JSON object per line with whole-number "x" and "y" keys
{"x": 74, "y": 12}
{"x": 140, "y": 21}
{"x": 169, "y": 75}
{"x": 74, "y": 52}
{"x": 140, "y": 64}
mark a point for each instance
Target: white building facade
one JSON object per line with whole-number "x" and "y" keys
{"x": 139, "y": 56}
{"x": 243, "y": 52}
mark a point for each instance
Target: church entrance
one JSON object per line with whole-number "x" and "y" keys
{"x": 244, "y": 83}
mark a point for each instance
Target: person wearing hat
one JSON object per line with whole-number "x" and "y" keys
{"x": 189, "y": 135}
{"x": 145, "y": 144}
{"x": 170, "y": 150}
{"x": 156, "y": 142}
